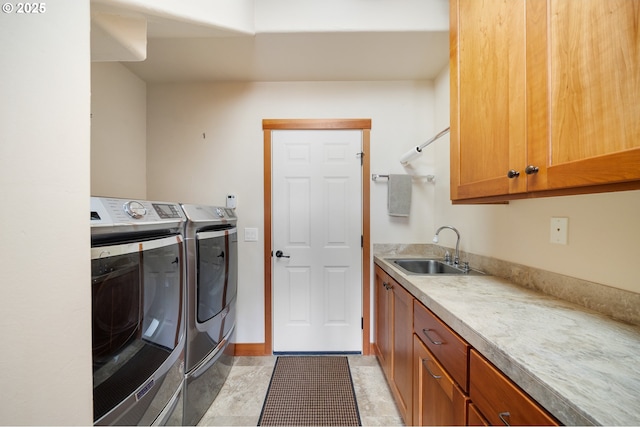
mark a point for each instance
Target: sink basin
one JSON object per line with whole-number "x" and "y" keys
{"x": 428, "y": 266}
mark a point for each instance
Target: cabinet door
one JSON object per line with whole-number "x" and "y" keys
{"x": 488, "y": 106}
{"x": 438, "y": 401}
{"x": 383, "y": 300}
{"x": 583, "y": 87}
{"x": 403, "y": 350}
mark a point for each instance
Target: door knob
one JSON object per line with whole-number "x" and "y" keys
{"x": 279, "y": 254}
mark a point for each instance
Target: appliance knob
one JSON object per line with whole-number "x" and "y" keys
{"x": 220, "y": 212}
{"x": 135, "y": 210}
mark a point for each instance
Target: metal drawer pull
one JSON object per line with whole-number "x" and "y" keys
{"x": 502, "y": 415}
{"x": 387, "y": 286}
{"x": 426, "y": 334}
{"x": 424, "y": 363}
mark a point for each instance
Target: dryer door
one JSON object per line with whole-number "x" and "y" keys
{"x": 217, "y": 271}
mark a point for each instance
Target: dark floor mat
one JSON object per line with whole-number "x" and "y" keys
{"x": 310, "y": 391}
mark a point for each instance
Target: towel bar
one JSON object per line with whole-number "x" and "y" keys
{"x": 375, "y": 176}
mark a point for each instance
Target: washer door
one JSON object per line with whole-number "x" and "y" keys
{"x": 136, "y": 291}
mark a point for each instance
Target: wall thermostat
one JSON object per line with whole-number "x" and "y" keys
{"x": 231, "y": 201}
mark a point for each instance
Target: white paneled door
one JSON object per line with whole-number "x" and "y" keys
{"x": 316, "y": 229}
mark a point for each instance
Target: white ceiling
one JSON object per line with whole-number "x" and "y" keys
{"x": 179, "y": 50}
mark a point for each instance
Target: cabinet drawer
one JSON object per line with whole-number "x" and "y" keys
{"x": 450, "y": 350}
{"x": 499, "y": 399}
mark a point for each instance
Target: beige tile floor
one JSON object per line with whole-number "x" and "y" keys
{"x": 240, "y": 401}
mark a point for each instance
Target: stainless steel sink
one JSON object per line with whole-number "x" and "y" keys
{"x": 430, "y": 266}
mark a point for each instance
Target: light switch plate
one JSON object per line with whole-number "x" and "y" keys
{"x": 559, "y": 230}
{"x": 250, "y": 234}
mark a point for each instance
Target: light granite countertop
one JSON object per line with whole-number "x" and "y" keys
{"x": 582, "y": 366}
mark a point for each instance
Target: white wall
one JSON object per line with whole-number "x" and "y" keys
{"x": 118, "y": 132}
{"x": 206, "y": 140}
{"x": 45, "y": 325}
{"x": 604, "y": 229}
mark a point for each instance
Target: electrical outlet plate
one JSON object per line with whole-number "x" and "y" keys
{"x": 559, "y": 230}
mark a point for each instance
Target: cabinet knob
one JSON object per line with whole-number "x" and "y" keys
{"x": 530, "y": 170}
{"x": 513, "y": 173}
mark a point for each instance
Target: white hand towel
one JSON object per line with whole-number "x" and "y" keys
{"x": 399, "y": 195}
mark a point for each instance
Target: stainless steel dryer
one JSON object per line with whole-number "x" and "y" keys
{"x": 212, "y": 282}
{"x": 137, "y": 293}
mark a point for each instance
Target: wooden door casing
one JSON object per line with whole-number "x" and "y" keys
{"x": 266, "y": 347}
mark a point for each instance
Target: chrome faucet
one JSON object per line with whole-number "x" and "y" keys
{"x": 456, "y": 257}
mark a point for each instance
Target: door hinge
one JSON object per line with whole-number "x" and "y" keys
{"x": 361, "y": 241}
{"x": 362, "y": 323}
{"x": 361, "y": 155}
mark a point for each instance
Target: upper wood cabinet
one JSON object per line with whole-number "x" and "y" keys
{"x": 549, "y": 87}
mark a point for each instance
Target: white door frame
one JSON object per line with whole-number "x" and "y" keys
{"x": 317, "y": 124}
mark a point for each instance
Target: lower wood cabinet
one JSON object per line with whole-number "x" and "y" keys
{"x": 394, "y": 345}
{"x": 499, "y": 400}
{"x": 437, "y": 399}
{"x": 435, "y": 376}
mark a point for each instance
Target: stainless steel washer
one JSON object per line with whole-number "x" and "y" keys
{"x": 212, "y": 282}
{"x": 137, "y": 293}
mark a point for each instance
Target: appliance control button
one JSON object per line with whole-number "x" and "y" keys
{"x": 135, "y": 209}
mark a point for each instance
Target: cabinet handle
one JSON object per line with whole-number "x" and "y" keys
{"x": 530, "y": 170}
{"x": 513, "y": 173}
{"x": 502, "y": 415}
{"x": 426, "y": 334}
{"x": 424, "y": 363}
{"x": 387, "y": 286}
